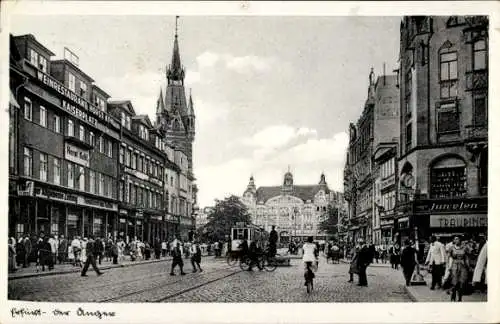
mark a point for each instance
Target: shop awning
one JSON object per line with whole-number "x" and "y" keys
{"x": 13, "y": 102}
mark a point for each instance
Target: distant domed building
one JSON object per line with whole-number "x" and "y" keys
{"x": 296, "y": 210}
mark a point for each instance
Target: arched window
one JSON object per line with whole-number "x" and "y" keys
{"x": 483, "y": 172}
{"x": 448, "y": 178}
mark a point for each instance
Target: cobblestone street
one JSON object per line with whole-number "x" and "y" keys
{"x": 218, "y": 283}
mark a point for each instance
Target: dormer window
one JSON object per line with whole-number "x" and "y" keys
{"x": 123, "y": 119}
{"x": 38, "y": 61}
{"x": 143, "y": 132}
{"x": 71, "y": 82}
{"x": 83, "y": 89}
{"x": 128, "y": 122}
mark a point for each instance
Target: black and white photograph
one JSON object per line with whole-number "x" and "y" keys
{"x": 175, "y": 158}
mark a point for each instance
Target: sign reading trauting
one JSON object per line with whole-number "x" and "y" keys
{"x": 459, "y": 220}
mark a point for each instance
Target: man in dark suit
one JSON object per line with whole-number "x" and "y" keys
{"x": 273, "y": 241}
{"x": 364, "y": 260}
{"x": 92, "y": 251}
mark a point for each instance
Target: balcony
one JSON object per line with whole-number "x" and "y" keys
{"x": 475, "y": 80}
{"x": 474, "y": 133}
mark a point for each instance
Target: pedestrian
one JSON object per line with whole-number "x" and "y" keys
{"x": 44, "y": 253}
{"x": 157, "y": 247}
{"x": 196, "y": 256}
{"x": 163, "y": 249}
{"x": 29, "y": 249}
{"x": 408, "y": 261}
{"x": 12, "y": 255}
{"x": 20, "y": 252}
{"x": 364, "y": 260}
{"x": 76, "y": 250}
{"x": 177, "y": 259}
{"x": 479, "y": 277}
{"x": 396, "y": 255}
{"x": 273, "y": 241}
{"x": 353, "y": 268}
{"x": 53, "y": 251}
{"x": 436, "y": 258}
{"x": 62, "y": 249}
{"x": 91, "y": 251}
{"x": 114, "y": 252}
{"x": 253, "y": 253}
{"x": 147, "y": 251}
{"x": 99, "y": 249}
{"x": 459, "y": 268}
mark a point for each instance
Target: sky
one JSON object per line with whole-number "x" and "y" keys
{"x": 270, "y": 93}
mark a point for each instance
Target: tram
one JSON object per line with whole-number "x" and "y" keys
{"x": 249, "y": 232}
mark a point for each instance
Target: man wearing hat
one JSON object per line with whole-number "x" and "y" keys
{"x": 364, "y": 259}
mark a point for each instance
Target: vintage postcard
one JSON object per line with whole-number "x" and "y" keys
{"x": 249, "y": 162}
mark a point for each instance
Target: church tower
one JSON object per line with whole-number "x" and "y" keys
{"x": 175, "y": 115}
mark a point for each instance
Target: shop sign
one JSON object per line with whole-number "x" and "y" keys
{"x": 137, "y": 174}
{"x": 27, "y": 189}
{"x": 156, "y": 182}
{"x": 386, "y": 222}
{"x": 56, "y": 195}
{"x": 459, "y": 220}
{"x": 452, "y": 205}
{"x": 388, "y": 182}
{"x": 123, "y": 211}
{"x": 97, "y": 203}
{"x": 76, "y": 154}
{"x": 122, "y": 221}
{"x": 57, "y": 86}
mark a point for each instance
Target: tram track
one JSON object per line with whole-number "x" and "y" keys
{"x": 141, "y": 294}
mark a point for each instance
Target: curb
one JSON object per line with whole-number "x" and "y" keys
{"x": 113, "y": 266}
{"x": 411, "y": 294}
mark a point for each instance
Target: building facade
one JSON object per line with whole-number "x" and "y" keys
{"x": 82, "y": 164}
{"x": 295, "y": 210}
{"x": 65, "y": 148}
{"x": 368, "y": 173}
{"x": 443, "y": 161}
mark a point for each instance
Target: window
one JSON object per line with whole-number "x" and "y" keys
{"x": 101, "y": 144}
{"x": 134, "y": 161}
{"x": 83, "y": 89}
{"x": 140, "y": 162}
{"x": 127, "y": 157}
{"x": 121, "y": 155}
{"x": 101, "y": 184}
{"x": 71, "y": 180}
{"x": 42, "y": 63}
{"x": 480, "y": 111}
{"x": 110, "y": 185}
{"x": 123, "y": 119}
{"x": 82, "y": 133}
{"x": 110, "y": 149}
{"x": 43, "y": 167}
{"x": 81, "y": 178}
{"x": 34, "y": 57}
{"x": 91, "y": 138}
{"x": 448, "y": 74}
{"x": 28, "y": 109}
{"x": 120, "y": 191}
{"x": 480, "y": 55}
{"x": 71, "y": 82}
{"x": 57, "y": 124}
{"x": 448, "y": 178}
{"x": 408, "y": 137}
{"x": 128, "y": 123}
{"x": 28, "y": 162}
{"x": 92, "y": 181}
{"x": 448, "y": 119}
{"x": 57, "y": 171}
{"x": 71, "y": 128}
{"x": 43, "y": 116}
{"x": 132, "y": 194}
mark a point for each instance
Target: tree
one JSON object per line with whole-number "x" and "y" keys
{"x": 223, "y": 217}
{"x": 330, "y": 223}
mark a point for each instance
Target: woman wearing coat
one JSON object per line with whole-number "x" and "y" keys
{"x": 459, "y": 268}
{"x": 354, "y": 262}
{"x": 408, "y": 261}
{"x": 481, "y": 266}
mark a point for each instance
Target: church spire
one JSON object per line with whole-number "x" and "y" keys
{"x": 190, "y": 107}
{"x": 175, "y": 72}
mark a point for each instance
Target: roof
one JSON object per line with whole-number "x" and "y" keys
{"x": 96, "y": 87}
{"x": 145, "y": 119}
{"x": 37, "y": 43}
{"x": 127, "y": 104}
{"x": 73, "y": 66}
{"x": 304, "y": 192}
